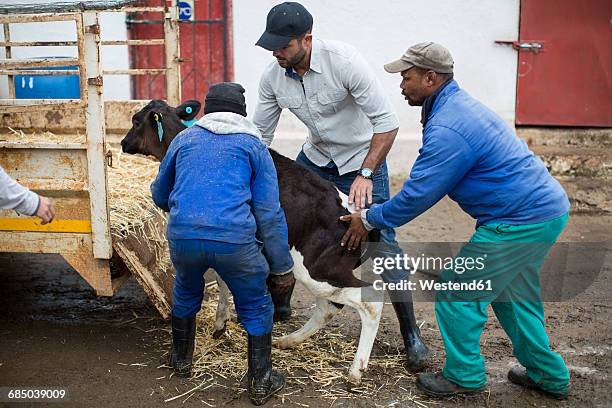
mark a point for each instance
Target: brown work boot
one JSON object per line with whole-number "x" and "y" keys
{"x": 436, "y": 385}
{"x": 518, "y": 375}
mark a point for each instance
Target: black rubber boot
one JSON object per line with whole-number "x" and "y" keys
{"x": 417, "y": 352}
{"x": 518, "y": 375}
{"x": 436, "y": 385}
{"x": 281, "y": 289}
{"x": 263, "y": 380}
{"x": 183, "y": 342}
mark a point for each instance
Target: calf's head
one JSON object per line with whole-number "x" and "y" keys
{"x": 155, "y": 126}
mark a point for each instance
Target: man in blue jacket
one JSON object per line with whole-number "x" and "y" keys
{"x": 472, "y": 156}
{"x": 219, "y": 184}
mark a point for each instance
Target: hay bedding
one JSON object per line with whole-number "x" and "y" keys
{"x": 317, "y": 368}
{"x": 320, "y": 363}
{"x": 131, "y": 206}
{"x": 19, "y": 136}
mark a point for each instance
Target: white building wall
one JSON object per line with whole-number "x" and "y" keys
{"x": 116, "y": 87}
{"x": 383, "y": 30}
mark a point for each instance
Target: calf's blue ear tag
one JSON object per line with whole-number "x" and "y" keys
{"x": 189, "y": 123}
{"x": 160, "y": 130}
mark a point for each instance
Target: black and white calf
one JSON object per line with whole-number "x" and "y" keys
{"x": 312, "y": 208}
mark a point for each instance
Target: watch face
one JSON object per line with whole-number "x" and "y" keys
{"x": 367, "y": 173}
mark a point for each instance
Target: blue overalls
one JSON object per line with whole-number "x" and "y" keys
{"x": 221, "y": 191}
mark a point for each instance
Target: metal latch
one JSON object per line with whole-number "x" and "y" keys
{"x": 109, "y": 158}
{"x": 533, "y": 46}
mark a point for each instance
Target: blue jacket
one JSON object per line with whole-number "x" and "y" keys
{"x": 222, "y": 186}
{"x": 470, "y": 154}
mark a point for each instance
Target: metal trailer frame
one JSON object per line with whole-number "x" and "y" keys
{"x": 74, "y": 174}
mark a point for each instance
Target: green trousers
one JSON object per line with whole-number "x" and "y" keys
{"x": 511, "y": 257}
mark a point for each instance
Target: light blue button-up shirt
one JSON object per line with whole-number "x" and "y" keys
{"x": 339, "y": 99}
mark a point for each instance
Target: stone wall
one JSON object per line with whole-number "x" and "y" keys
{"x": 581, "y": 159}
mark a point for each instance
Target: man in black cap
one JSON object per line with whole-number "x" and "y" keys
{"x": 218, "y": 182}
{"x": 352, "y": 126}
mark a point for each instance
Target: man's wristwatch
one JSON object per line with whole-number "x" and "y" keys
{"x": 366, "y": 173}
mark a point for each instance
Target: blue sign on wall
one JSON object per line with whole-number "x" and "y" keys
{"x": 186, "y": 10}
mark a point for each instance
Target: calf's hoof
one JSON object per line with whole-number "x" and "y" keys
{"x": 354, "y": 378}
{"x": 283, "y": 343}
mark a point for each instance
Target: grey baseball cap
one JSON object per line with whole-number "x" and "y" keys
{"x": 427, "y": 55}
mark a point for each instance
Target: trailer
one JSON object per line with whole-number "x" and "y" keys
{"x": 73, "y": 169}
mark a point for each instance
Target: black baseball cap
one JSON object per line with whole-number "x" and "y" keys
{"x": 285, "y": 21}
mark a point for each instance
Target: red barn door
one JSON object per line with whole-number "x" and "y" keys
{"x": 206, "y": 49}
{"x": 566, "y": 82}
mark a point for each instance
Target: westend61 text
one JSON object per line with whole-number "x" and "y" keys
{"x": 431, "y": 284}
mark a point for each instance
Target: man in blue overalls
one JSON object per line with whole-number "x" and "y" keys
{"x": 219, "y": 184}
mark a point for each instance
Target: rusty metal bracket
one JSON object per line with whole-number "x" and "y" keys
{"x": 109, "y": 158}
{"x": 93, "y": 29}
{"x": 96, "y": 81}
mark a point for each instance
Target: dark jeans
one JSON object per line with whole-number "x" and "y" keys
{"x": 242, "y": 266}
{"x": 380, "y": 194}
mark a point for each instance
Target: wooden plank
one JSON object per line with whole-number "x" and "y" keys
{"x": 140, "y": 9}
{"x": 37, "y": 62}
{"x": 42, "y": 242}
{"x": 148, "y": 260}
{"x": 46, "y": 166}
{"x": 34, "y": 225}
{"x": 29, "y": 105}
{"x": 159, "y": 41}
{"x": 96, "y": 272}
{"x": 69, "y": 205}
{"x": 80, "y": 32}
{"x": 9, "y": 43}
{"x": 96, "y": 162}
{"x": 147, "y": 281}
{"x": 144, "y": 71}
{"x": 49, "y": 185}
{"x": 46, "y": 103}
{"x": 12, "y": 72}
{"x": 8, "y": 54}
{"x": 173, "y": 54}
{"x": 118, "y": 119}
{"x": 40, "y": 145}
{"x": 36, "y": 18}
